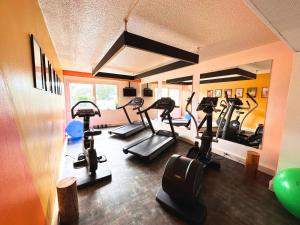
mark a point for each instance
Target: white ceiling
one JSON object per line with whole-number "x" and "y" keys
{"x": 283, "y": 16}
{"x": 83, "y": 31}
{"x": 131, "y": 61}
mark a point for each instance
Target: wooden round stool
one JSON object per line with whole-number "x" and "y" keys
{"x": 67, "y": 200}
{"x": 251, "y": 165}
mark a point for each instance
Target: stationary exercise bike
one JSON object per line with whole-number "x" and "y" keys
{"x": 182, "y": 178}
{"x": 89, "y": 158}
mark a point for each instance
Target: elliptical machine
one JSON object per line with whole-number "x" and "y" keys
{"x": 182, "y": 178}
{"x": 235, "y": 134}
{"x": 203, "y": 152}
{"x": 89, "y": 158}
{"x": 221, "y": 120}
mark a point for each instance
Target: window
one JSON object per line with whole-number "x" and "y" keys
{"x": 80, "y": 92}
{"x": 172, "y": 93}
{"x": 164, "y": 93}
{"x": 106, "y": 96}
{"x": 175, "y": 95}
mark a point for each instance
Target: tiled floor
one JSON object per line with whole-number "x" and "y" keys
{"x": 129, "y": 198}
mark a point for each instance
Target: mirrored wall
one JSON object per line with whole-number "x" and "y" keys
{"x": 242, "y": 115}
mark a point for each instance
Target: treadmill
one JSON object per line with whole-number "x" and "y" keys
{"x": 150, "y": 147}
{"x": 132, "y": 127}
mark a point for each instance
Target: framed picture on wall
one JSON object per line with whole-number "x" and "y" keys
{"x": 218, "y": 93}
{"x": 59, "y": 85}
{"x": 264, "y": 92}
{"x": 210, "y": 93}
{"x": 229, "y": 92}
{"x": 38, "y": 80}
{"x": 54, "y": 82}
{"x": 252, "y": 91}
{"x": 47, "y": 72}
{"x": 239, "y": 92}
{"x": 50, "y": 78}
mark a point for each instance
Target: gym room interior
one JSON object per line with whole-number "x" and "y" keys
{"x": 149, "y": 112}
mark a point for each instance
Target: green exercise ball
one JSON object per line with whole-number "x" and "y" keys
{"x": 287, "y": 189}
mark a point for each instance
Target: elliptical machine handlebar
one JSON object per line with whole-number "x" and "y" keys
{"x": 96, "y": 112}
{"x": 226, "y": 107}
{"x": 226, "y": 97}
{"x": 245, "y": 108}
{"x": 249, "y": 96}
{"x": 250, "y": 110}
{"x": 189, "y": 100}
{"x": 223, "y": 104}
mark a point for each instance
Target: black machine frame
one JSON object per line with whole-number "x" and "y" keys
{"x": 132, "y": 127}
{"x": 165, "y": 138}
{"x": 185, "y": 58}
{"x": 89, "y": 158}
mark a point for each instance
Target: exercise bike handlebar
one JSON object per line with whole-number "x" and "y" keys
{"x": 97, "y": 111}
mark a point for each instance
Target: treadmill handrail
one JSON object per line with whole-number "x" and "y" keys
{"x": 132, "y": 101}
{"x": 156, "y": 102}
{"x": 137, "y": 107}
{"x": 166, "y": 113}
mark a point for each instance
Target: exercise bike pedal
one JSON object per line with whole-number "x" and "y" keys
{"x": 101, "y": 159}
{"x": 80, "y": 163}
{"x": 81, "y": 157}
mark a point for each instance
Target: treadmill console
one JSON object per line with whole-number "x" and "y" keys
{"x": 207, "y": 102}
{"x": 164, "y": 103}
{"x": 137, "y": 101}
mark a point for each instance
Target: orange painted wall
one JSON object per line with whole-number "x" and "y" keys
{"x": 31, "y": 120}
{"x": 256, "y": 117}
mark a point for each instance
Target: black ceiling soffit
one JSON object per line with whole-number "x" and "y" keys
{"x": 243, "y": 75}
{"x": 181, "y": 80}
{"x": 185, "y": 58}
{"x": 114, "y": 75}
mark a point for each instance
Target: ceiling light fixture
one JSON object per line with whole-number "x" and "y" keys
{"x": 129, "y": 40}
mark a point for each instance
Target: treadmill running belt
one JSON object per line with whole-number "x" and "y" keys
{"x": 127, "y": 128}
{"x": 149, "y": 146}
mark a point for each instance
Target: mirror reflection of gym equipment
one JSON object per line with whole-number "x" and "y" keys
{"x": 247, "y": 88}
